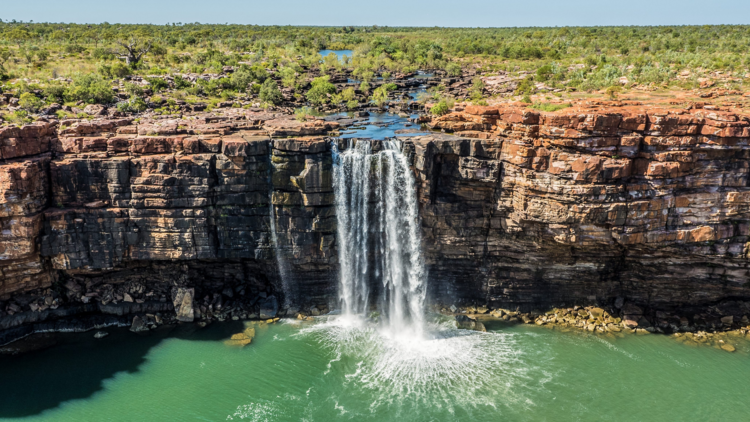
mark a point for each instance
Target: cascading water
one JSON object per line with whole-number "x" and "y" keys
{"x": 406, "y": 358}
{"x": 378, "y": 235}
{"x": 281, "y": 264}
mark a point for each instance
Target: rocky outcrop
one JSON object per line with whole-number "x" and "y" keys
{"x": 587, "y": 204}
{"x": 115, "y": 211}
{"x": 520, "y": 210}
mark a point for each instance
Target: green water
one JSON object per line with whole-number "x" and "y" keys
{"x": 323, "y": 371}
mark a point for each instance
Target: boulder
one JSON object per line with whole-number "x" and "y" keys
{"x": 138, "y": 325}
{"x": 630, "y": 321}
{"x": 463, "y": 322}
{"x": 95, "y": 110}
{"x": 182, "y": 299}
{"x": 728, "y": 347}
{"x": 269, "y": 307}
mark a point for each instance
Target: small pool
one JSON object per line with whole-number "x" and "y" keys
{"x": 339, "y": 53}
{"x": 377, "y": 126}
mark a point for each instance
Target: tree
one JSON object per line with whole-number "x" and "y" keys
{"x": 90, "y": 88}
{"x": 30, "y": 102}
{"x": 477, "y": 89}
{"x": 453, "y": 69}
{"x": 270, "y": 93}
{"x": 380, "y": 95}
{"x": 320, "y": 91}
{"x": 132, "y": 50}
{"x": 5, "y": 55}
{"x": 440, "y": 108}
{"x": 19, "y": 35}
{"x": 612, "y": 91}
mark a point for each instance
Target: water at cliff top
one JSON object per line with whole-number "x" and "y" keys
{"x": 321, "y": 371}
{"x": 378, "y": 237}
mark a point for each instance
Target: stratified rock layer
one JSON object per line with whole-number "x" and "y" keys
{"x": 113, "y": 211}
{"x": 520, "y": 209}
{"x": 587, "y": 204}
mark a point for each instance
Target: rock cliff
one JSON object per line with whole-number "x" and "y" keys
{"x": 519, "y": 209}
{"x": 588, "y": 204}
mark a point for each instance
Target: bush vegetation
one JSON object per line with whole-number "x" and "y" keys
{"x": 74, "y": 63}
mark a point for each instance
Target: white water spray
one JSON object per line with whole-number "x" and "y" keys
{"x": 379, "y": 240}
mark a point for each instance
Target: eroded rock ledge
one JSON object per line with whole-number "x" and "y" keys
{"x": 588, "y": 204}
{"x": 520, "y": 210}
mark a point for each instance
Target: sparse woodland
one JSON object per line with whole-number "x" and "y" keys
{"x": 55, "y": 69}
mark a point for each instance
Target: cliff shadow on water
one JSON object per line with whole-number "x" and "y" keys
{"x": 76, "y": 366}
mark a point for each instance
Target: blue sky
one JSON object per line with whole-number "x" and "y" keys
{"x": 497, "y": 13}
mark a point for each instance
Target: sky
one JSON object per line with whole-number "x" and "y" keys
{"x": 461, "y": 13}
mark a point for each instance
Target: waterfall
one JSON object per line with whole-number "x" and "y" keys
{"x": 379, "y": 242}
{"x": 281, "y": 264}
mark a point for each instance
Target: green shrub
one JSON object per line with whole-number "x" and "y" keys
{"x": 134, "y": 104}
{"x": 302, "y": 113}
{"x": 89, "y": 88}
{"x": 453, "y": 69}
{"x": 270, "y": 93}
{"x": 380, "y": 95}
{"x": 320, "y": 90}
{"x": 544, "y": 73}
{"x": 549, "y": 106}
{"x": 133, "y": 89}
{"x": 612, "y": 91}
{"x": 440, "y": 108}
{"x": 526, "y": 87}
{"x": 114, "y": 70}
{"x": 158, "y": 84}
{"x": 54, "y": 92}
{"x": 74, "y": 49}
{"x": 348, "y": 94}
{"x": 477, "y": 89}
{"x": 181, "y": 83}
{"x": 20, "y": 117}
{"x": 30, "y": 102}
{"x": 288, "y": 77}
{"x": 242, "y": 78}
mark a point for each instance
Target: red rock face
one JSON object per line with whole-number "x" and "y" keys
{"x": 524, "y": 209}
{"x": 640, "y": 202}
{"x": 84, "y": 199}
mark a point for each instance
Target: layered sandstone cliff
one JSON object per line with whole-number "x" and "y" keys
{"x": 519, "y": 209}
{"x": 589, "y": 203}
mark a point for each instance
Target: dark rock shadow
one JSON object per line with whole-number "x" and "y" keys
{"x": 76, "y": 366}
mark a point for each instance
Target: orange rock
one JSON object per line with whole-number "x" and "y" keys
{"x": 481, "y": 110}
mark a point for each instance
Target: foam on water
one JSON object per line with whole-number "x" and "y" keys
{"x": 447, "y": 368}
{"x": 395, "y": 354}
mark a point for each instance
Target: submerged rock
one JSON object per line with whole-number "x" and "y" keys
{"x": 241, "y": 339}
{"x": 138, "y": 325}
{"x": 464, "y": 322}
{"x": 728, "y": 348}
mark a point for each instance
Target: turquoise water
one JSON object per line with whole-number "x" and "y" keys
{"x": 339, "y": 53}
{"x": 330, "y": 371}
